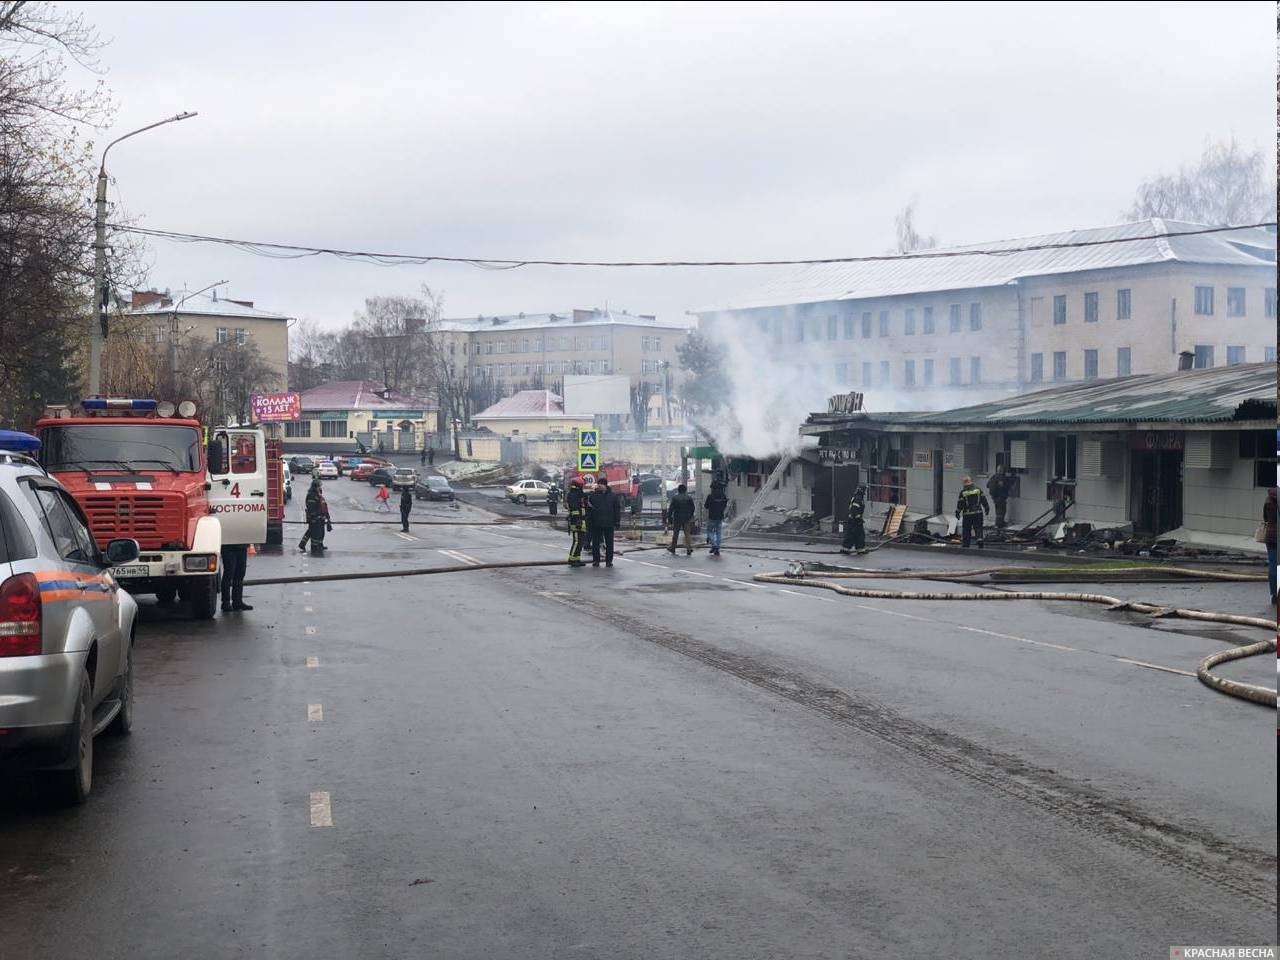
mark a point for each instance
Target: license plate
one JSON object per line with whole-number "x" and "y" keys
{"x": 127, "y": 572}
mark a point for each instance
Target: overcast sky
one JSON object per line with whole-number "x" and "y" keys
{"x": 648, "y": 131}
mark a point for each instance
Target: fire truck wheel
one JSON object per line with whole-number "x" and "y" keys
{"x": 203, "y": 594}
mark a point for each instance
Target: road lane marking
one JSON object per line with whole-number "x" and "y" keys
{"x": 405, "y": 536}
{"x": 1153, "y": 666}
{"x": 321, "y": 815}
{"x": 313, "y": 662}
{"x": 697, "y": 573}
{"x": 460, "y": 557}
{"x": 308, "y": 610}
{"x": 310, "y": 630}
{"x": 650, "y": 564}
{"x": 758, "y": 586}
{"x": 315, "y": 712}
{"x": 306, "y": 593}
{"x": 807, "y": 596}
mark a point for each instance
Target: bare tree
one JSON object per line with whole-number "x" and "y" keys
{"x": 46, "y": 173}
{"x": 910, "y": 239}
{"x": 1229, "y": 185}
{"x": 393, "y": 330}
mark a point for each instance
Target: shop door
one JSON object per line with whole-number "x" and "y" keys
{"x": 1157, "y": 491}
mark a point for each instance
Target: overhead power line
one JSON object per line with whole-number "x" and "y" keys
{"x": 290, "y": 251}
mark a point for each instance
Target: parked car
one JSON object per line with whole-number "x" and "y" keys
{"x": 433, "y": 488}
{"x": 403, "y": 477}
{"x": 327, "y": 470}
{"x": 301, "y": 464}
{"x": 66, "y": 629}
{"x": 381, "y": 476}
{"x": 527, "y": 491}
{"x": 650, "y": 484}
{"x": 288, "y": 482}
{"x": 362, "y": 472}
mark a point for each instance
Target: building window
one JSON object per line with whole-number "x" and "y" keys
{"x": 955, "y": 371}
{"x": 1235, "y": 355}
{"x": 1090, "y": 308}
{"x": 884, "y": 373}
{"x": 241, "y": 336}
{"x": 954, "y": 317}
{"x": 866, "y": 374}
{"x": 1059, "y": 365}
{"x": 975, "y": 369}
{"x": 1204, "y": 301}
{"x": 1204, "y": 356}
{"x": 1091, "y": 364}
{"x": 1235, "y": 301}
{"x": 1037, "y": 368}
{"x": 333, "y": 428}
{"x": 488, "y": 347}
{"x": 928, "y": 320}
{"x": 1124, "y": 363}
{"x": 866, "y": 324}
{"x": 1269, "y": 354}
{"x": 219, "y": 365}
{"x": 833, "y": 327}
{"x": 848, "y": 327}
{"x": 909, "y": 373}
{"x": 884, "y": 323}
{"x": 1060, "y": 309}
{"x": 220, "y": 335}
{"x": 1269, "y": 302}
{"x": 537, "y": 345}
{"x": 909, "y": 322}
{"x": 1064, "y": 458}
{"x": 928, "y": 373}
{"x": 1124, "y": 304}
{"x": 975, "y": 316}
{"x": 799, "y": 330}
{"x": 297, "y": 428}
{"x": 842, "y": 373}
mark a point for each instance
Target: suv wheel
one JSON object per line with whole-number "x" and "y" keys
{"x": 122, "y": 725}
{"x": 72, "y": 786}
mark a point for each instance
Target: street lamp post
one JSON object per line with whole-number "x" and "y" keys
{"x": 98, "y": 330}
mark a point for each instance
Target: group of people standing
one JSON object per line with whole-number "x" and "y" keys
{"x": 595, "y": 515}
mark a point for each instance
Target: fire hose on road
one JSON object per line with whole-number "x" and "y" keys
{"x": 1235, "y": 688}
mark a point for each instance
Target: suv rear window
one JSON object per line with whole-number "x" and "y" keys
{"x": 16, "y": 541}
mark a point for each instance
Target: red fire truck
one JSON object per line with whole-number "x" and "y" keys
{"x": 618, "y": 472}
{"x": 141, "y": 470}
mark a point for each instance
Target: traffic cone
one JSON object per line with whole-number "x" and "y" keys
{"x": 253, "y": 551}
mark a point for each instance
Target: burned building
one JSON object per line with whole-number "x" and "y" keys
{"x": 1188, "y": 454}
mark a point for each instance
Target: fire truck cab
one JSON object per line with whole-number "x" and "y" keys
{"x": 141, "y": 470}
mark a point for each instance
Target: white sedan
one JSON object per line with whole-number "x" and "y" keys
{"x": 327, "y": 470}
{"x": 524, "y": 491}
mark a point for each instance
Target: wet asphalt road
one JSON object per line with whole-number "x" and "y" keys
{"x": 659, "y": 760}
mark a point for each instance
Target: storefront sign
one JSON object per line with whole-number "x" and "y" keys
{"x": 836, "y": 455}
{"x": 922, "y": 458}
{"x": 1157, "y": 440}
{"x": 275, "y": 406}
{"x": 845, "y": 403}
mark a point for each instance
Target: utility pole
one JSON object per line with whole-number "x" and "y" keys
{"x": 98, "y": 329}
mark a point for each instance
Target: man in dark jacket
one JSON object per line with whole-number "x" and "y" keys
{"x": 855, "y": 531}
{"x": 971, "y": 508}
{"x": 680, "y": 515}
{"x": 1000, "y": 485}
{"x": 604, "y": 516}
{"x": 715, "y": 505}
{"x": 406, "y": 504}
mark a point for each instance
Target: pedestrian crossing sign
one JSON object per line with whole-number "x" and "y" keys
{"x": 588, "y": 440}
{"x": 587, "y": 461}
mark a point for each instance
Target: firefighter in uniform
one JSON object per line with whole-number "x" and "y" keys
{"x": 575, "y": 505}
{"x": 971, "y": 508}
{"x": 855, "y": 534}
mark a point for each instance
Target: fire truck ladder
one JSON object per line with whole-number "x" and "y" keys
{"x": 770, "y": 484}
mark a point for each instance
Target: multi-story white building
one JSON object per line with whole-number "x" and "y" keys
{"x": 1052, "y": 309}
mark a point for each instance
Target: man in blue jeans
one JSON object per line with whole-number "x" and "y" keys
{"x": 715, "y": 505}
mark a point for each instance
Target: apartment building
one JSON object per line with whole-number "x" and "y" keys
{"x": 1000, "y": 318}
{"x": 217, "y": 320}
{"x": 537, "y": 350}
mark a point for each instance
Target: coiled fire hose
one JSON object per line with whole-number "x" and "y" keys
{"x": 796, "y": 576}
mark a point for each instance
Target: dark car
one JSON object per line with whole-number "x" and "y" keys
{"x": 382, "y": 476}
{"x": 651, "y": 484}
{"x": 433, "y": 488}
{"x": 301, "y": 465}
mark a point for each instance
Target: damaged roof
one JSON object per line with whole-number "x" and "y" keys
{"x": 1242, "y": 392}
{"x": 1140, "y": 243}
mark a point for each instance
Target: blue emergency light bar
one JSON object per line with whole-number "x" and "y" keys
{"x": 118, "y": 403}
{"x": 15, "y": 441}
